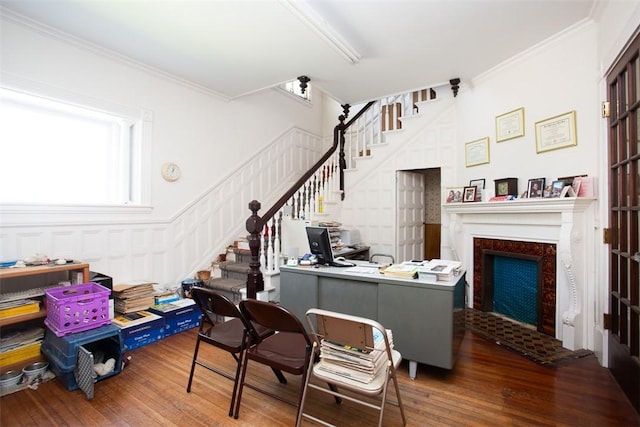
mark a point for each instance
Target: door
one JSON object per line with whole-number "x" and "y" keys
{"x": 624, "y": 204}
{"x": 409, "y": 215}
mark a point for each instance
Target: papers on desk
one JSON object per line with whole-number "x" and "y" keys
{"x": 439, "y": 269}
{"x": 362, "y": 270}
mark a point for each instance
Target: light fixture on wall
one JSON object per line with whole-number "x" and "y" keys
{"x": 323, "y": 29}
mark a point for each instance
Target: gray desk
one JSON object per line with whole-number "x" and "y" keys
{"x": 426, "y": 317}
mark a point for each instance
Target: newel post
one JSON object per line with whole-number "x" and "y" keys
{"x": 339, "y": 134}
{"x": 255, "y": 281}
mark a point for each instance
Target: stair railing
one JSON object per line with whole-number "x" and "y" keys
{"x": 303, "y": 200}
{"x": 311, "y": 183}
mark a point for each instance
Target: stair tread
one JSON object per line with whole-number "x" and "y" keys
{"x": 227, "y": 284}
{"x": 240, "y": 267}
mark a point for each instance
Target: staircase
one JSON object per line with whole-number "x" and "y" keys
{"x": 318, "y": 196}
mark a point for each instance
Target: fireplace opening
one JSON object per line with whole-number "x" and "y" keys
{"x": 512, "y": 286}
{"x": 517, "y": 280}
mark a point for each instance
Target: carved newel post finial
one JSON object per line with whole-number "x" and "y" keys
{"x": 345, "y": 110}
{"x": 303, "y": 83}
{"x": 455, "y": 85}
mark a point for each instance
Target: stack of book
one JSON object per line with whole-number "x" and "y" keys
{"x": 132, "y": 297}
{"x": 18, "y": 344}
{"x": 439, "y": 269}
{"x": 19, "y": 307}
{"x": 357, "y": 364}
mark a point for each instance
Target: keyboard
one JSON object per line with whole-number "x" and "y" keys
{"x": 336, "y": 263}
{"x": 22, "y": 294}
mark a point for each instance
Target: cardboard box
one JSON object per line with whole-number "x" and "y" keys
{"x": 178, "y": 316}
{"x": 140, "y": 328}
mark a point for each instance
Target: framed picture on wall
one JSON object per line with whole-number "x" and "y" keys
{"x": 510, "y": 125}
{"x": 556, "y": 132}
{"x": 476, "y": 152}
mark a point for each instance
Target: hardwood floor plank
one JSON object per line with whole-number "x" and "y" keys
{"x": 489, "y": 386}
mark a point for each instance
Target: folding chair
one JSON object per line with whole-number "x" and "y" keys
{"x": 231, "y": 336}
{"x": 288, "y": 350}
{"x": 356, "y": 355}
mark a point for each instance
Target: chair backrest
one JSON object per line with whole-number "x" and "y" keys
{"x": 348, "y": 330}
{"x": 213, "y": 304}
{"x": 273, "y": 316}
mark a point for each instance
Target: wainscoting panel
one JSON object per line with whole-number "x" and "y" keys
{"x": 127, "y": 247}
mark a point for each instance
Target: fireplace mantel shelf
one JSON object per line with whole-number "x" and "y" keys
{"x": 559, "y": 205}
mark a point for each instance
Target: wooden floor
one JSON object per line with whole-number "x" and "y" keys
{"x": 489, "y": 386}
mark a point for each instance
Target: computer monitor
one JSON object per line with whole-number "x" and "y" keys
{"x": 320, "y": 244}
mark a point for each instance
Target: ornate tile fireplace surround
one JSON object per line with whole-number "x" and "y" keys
{"x": 542, "y": 228}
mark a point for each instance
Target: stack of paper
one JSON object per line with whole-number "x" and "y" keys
{"x": 132, "y": 297}
{"x": 360, "y": 365}
{"x": 409, "y": 271}
{"x": 439, "y": 269}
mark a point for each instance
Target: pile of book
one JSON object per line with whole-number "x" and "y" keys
{"x": 357, "y": 364}
{"x": 132, "y": 297}
{"x": 439, "y": 269}
{"x": 18, "y": 307}
{"x": 18, "y": 344}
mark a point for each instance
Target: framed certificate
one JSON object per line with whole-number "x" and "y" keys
{"x": 510, "y": 125}
{"x": 556, "y": 132}
{"x": 477, "y": 152}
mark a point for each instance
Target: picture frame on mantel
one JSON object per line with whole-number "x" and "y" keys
{"x": 510, "y": 125}
{"x": 477, "y": 152}
{"x": 556, "y": 132}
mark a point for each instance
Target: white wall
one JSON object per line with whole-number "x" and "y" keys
{"x": 189, "y": 221}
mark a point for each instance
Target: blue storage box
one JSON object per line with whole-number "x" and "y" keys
{"x": 178, "y": 316}
{"x": 140, "y": 329}
{"x": 62, "y": 352}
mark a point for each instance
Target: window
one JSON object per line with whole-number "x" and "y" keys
{"x": 294, "y": 88}
{"x": 54, "y": 152}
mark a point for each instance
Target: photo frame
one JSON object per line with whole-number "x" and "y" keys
{"x": 556, "y": 188}
{"x": 510, "y": 125}
{"x": 477, "y": 183}
{"x": 556, "y": 132}
{"x": 476, "y": 152}
{"x": 469, "y": 194}
{"x": 535, "y": 188}
{"x": 454, "y": 195}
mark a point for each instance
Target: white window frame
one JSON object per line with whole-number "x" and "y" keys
{"x": 140, "y": 121}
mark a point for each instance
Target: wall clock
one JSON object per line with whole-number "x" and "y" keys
{"x": 170, "y": 172}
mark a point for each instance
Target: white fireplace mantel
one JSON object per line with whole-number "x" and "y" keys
{"x": 557, "y": 220}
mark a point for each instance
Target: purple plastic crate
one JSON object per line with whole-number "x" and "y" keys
{"x": 77, "y": 308}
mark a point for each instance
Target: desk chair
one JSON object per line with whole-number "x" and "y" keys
{"x": 356, "y": 356}
{"x": 231, "y": 336}
{"x": 288, "y": 350}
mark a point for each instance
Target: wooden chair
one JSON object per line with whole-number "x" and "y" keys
{"x": 356, "y": 356}
{"x": 288, "y": 350}
{"x": 231, "y": 335}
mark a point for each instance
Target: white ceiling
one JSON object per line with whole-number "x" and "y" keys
{"x": 237, "y": 47}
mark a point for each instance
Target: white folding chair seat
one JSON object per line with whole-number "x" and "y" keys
{"x": 353, "y": 332}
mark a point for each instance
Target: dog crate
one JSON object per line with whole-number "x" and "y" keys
{"x": 76, "y": 358}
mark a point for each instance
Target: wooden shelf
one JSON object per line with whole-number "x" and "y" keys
{"x": 23, "y": 318}
{"x": 8, "y": 273}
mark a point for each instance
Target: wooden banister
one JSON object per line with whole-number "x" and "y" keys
{"x": 255, "y": 223}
